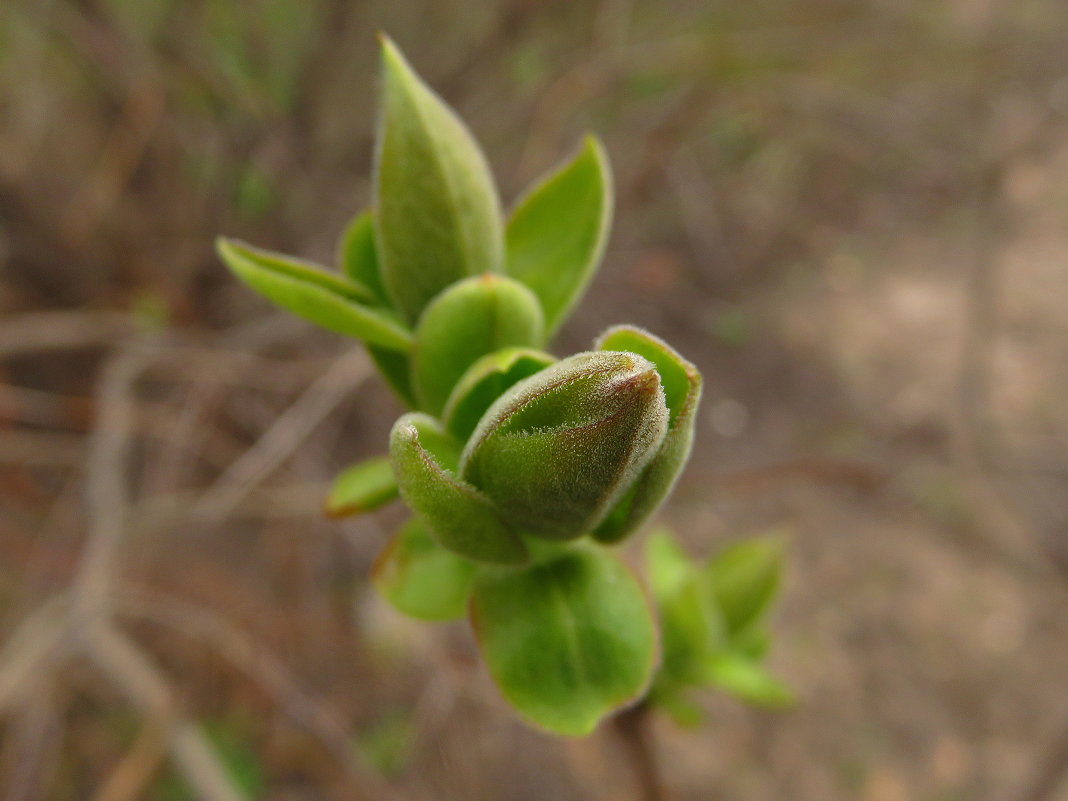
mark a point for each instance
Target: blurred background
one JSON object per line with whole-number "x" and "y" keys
{"x": 853, "y": 216}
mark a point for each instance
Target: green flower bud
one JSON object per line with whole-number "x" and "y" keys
{"x": 682, "y": 391}
{"x": 557, "y": 451}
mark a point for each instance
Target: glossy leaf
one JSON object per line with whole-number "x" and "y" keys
{"x": 485, "y": 381}
{"x": 456, "y": 513}
{"x": 682, "y": 392}
{"x": 556, "y": 235}
{"x": 420, "y": 577}
{"x": 358, "y": 259}
{"x": 437, "y": 214}
{"x": 567, "y": 641}
{"x": 361, "y": 488}
{"x": 557, "y": 450}
{"x": 744, "y": 579}
{"x": 470, "y": 319}
{"x": 323, "y": 298}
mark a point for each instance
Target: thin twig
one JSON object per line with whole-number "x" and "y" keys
{"x": 44, "y": 331}
{"x": 106, "y": 481}
{"x": 41, "y": 449}
{"x": 128, "y": 780}
{"x": 131, "y": 671}
{"x": 284, "y": 501}
{"x": 34, "y": 646}
{"x": 35, "y": 738}
{"x": 261, "y": 665}
{"x": 284, "y": 436}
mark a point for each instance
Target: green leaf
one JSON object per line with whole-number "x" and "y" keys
{"x": 681, "y": 380}
{"x": 323, "y": 298}
{"x": 395, "y": 367}
{"x": 690, "y": 629}
{"x": 557, "y": 233}
{"x": 363, "y": 487}
{"x": 421, "y": 578}
{"x": 753, "y": 643}
{"x": 457, "y": 514}
{"x": 437, "y": 216}
{"x": 672, "y": 700}
{"x": 567, "y": 641}
{"x": 485, "y": 381}
{"x": 668, "y": 567}
{"x": 468, "y": 320}
{"x": 682, "y": 392}
{"x": 358, "y": 258}
{"x": 747, "y": 680}
{"x": 690, "y": 624}
{"x": 744, "y": 579}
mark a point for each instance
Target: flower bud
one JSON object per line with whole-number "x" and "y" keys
{"x": 559, "y": 449}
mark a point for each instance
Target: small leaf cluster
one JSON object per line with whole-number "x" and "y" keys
{"x": 713, "y": 621}
{"x": 519, "y": 468}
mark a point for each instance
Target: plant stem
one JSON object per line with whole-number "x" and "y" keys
{"x": 632, "y": 727}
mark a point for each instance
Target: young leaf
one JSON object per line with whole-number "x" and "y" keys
{"x": 471, "y": 318}
{"x": 682, "y": 382}
{"x": 422, "y": 579}
{"x": 361, "y": 488}
{"x": 671, "y": 699}
{"x": 485, "y": 381}
{"x": 358, "y": 258}
{"x": 690, "y": 624}
{"x": 747, "y": 680}
{"x": 744, "y": 579}
{"x": 568, "y": 640}
{"x": 457, "y": 514}
{"x": 328, "y": 300}
{"x": 395, "y": 367}
{"x": 437, "y": 213}
{"x": 557, "y": 233}
{"x": 682, "y": 392}
{"x": 667, "y": 566}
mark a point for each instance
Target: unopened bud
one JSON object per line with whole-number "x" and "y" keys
{"x": 555, "y": 452}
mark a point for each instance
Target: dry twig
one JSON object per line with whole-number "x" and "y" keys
{"x": 284, "y": 436}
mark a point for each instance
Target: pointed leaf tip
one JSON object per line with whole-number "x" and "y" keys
{"x": 682, "y": 392}
{"x": 438, "y": 216}
{"x": 321, "y": 297}
{"x": 744, "y": 579}
{"x": 362, "y": 488}
{"x": 557, "y": 232}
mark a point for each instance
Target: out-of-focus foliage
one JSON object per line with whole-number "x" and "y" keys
{"x": 209, "y": 112}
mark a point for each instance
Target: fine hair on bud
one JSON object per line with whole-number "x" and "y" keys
{"x": 557, "y": 450}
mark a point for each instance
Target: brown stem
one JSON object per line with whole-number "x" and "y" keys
{"x": 632, "y": 727}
